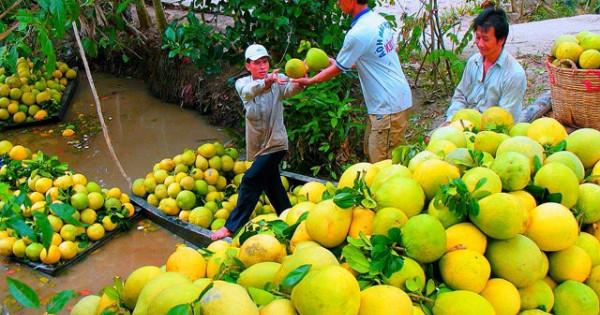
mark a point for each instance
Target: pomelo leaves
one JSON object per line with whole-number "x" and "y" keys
{"x": 23, "y": 293}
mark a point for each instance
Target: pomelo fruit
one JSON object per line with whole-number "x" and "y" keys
{"x": 188, "y": 262}
{"x": 387, "y": 218}
{"x": 278, "y": 307}
{"x": 514, "y": 170}
{"x": 493, "y": 182}
{"x": 524, "y": 145}
{"x": 462, "y": 302}
{"x": 469, "y": 114}
{"x": 135, "y": 282}
{"x": 424, "y": 238}
{"x": 410, "y": 270}
{"x": 258, "y": 275}
{"x": 172, "y": 296}
{"x": 387, "y": 173}
{"x": 466, "y": 235}
{"x": 226, "y": 298}
{"x": 154, "y": 287}
{"x": 413, "y": 196}
{"x": 295, "y": 68}
{"x": 563, "y": 39}
{"x": 465, "y": 269}
{"x": 86, "y": 306}
{"x": 572, "y": 263}
{"x": 437, "y": 209}
{"x": 501, "y": 216}
{"x": 351, "y": 173}
{"x": 316, "y": 256}
{"x": 503, "y": 296}
{"x": 547, "y": 131}
{"x": 579, "y": 141}
{"x": 313, "y": 191}
{"x": 590, "y": 41}
{"x": 570, "y": 160}
{"x": 552, "y": 227}
{"x": 451, "y": 134}
{"x": 591, "y": 245}
{"x": 572, "y": 297}
{"x": 328, "y": 224}
{"x": 558, "y": 178}
{"x": 487, "y": 141}
{"x": 316, "y": 59}
{"x": 589, "y": 59}
{"x": 441, "y": 147}
{"x": 517, "y": 260}
{"x": 536, "y": 296}
{"x": 384, "y": 299}
{"x": 260, "y": 248}
{"x": 431, "y": 174}
{"x": 496, "y": 117}
{"x": 519, "y": 129}
{"x": 588, "y": 202}
{"x": 421, "y": 157}
{"x": 569, "y": 50}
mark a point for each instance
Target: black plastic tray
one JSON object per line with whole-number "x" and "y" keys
{"x": 53, "y": 270}
{"x": 194, "y": 234}
{"x": 65, "y": 102}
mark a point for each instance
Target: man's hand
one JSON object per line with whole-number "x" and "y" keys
{"x": 301, "y": 81}
{"x": 274, "y": 78}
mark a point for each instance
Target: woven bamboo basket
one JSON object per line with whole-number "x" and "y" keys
{"x": 575, "y": 94}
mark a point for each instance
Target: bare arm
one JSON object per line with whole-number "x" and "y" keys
{"x": 325, "y": 75}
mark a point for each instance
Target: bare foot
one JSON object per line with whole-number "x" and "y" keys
{"x": 220, "y": 233}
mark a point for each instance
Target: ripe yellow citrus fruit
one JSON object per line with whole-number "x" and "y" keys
{"x": 187, "y": 261}
{"x": 496, "y": 117}
{"x": 552, "y": 227}
{"x": 465, "y": 269}
{"x": 295, "y": 68}
{"x": 95, "y": 231}
{"x": 51, "y": 256}
{"x": 67, "y": 249}
{"x": 18, "y": 152}
{"x": 569, "y": 50}
{"x": 503, "y": 296}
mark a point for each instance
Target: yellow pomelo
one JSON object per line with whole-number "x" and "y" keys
{"x": 387, "y": 173}
{"x": 441, "y": 147}
{"x": 460, "y": 157}
{"x": 593, "y": 281}
{"x": 500, "y": 216}
{"x": 514, "y": 170}
{"x": 579, "y": 142}
{"x": 201, "y": 216}
{"x": 207, "y": 150}
{"x": 462, "y": 302}
{"x": 86, "y": 306}
{"x": 328, "y": 224}
{"x": 308, "y": 253}
{"x": 135, "y": 282}
{"x": 468, "y": 114}
{"x": 362, "y": 222}
{"x": 591, "y": 245}
{"x": 566, "y": 38}
{"x": 524, "y": 145}
{"x": 108, "y": 304}
{"x": 384, "y": 299}
{"x": 411, "y": 270}
{"x": 430, "y": 174}
{"x": 536, "y": 296}
{"x": 590, "y": 41}
{"x": 258, "y": 275}
{"x": 312, "y": 191}
{"x": 517, "y": 260}
{"x": 414, "y": 197}
{"x": 549, "y": 281}
{"x": 570, "y": 160}
{"x": 503, "y": 296}
{"x": 350, "y": 174}
{"x": 572, "y": 263}
{"x": 5, "y": 146}
{"x": 424, "y": 238}
{"x": 465, "y": 235}
{"x": 569, "y": 50}
{"x": 547, "y": 131}
{"x": 295, "y": 68}
{"x": 6, "y": 245}
{"x": 154, "y": 286}
{"x": 297, "y": 210}
{"x": 327, "y": 290}
{"x": 465, "y": 269}
{"x": 172, "y": 296}
{"x": 420, "y": 158}
{"x": 451, "y": 134}
{"x": 572, "y": 297}
{"x": 260, "y": 248}
{"x": 552, "y": 227}
{"x": 227, "y": 299}
{"x": 589, "y": 59}
{"x": 316, "y": 59}
{"x": 493, "y": 183}
{"x": 495, "y": 118}
{"x": 387, "y": 218}
{"x": 526, "y": 198}
{"x": 223, "y": 257}
{"x": 188, "y": 262}
{"x": 278, "y": 307}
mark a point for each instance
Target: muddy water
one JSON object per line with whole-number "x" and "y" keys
{"x": 142, "y": 130}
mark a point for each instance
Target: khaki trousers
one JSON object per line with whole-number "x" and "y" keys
{"x": 384, "y": 133}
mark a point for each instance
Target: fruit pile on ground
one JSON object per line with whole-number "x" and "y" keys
{"x": 50, "y": 214}
{"x": 582, "y": 49}
{"x": 491, "y": 218}
{"x": 31, "y": 94}
{"x": 201, "y": 186}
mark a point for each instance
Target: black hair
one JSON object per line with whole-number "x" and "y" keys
{"x": 362, "y": 1}
{"x": 493, "y": 17}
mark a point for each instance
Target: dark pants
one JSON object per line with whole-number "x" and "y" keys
{"x": 263, "y": 175}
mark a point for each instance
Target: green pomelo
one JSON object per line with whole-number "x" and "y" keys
{"x": 590, "y": 41}
{"x": 536, "y": 296}
{"x": 558, "y": 178}
{"x": 572, "y": 297}
{"x": 588, "y": 202}
{"x": 420, "y": 158}
{"x": 316, "y": 59}
{"x": 201, "y": 216}
{"x": 172, "y": 296}
{"x": 258, "y": 275}
{"x": 411, "y": 203}
{"x": 524, "y": 145}
{"x": 86, "y": 306}
{"x": 410, "y": 270}
{"x": 443, "y": 213}
{"x": 388, "y": 173}
{"x": 492, "y": 185}
{"x": 517, "y": 260}
{"x": 327, "y": 290}
{"x": 136, "y": 282}
{"x": 462, "y": 302}
{"x": 226, "y": 298}
{"x": 593, "y": 281}
{"x": 487, "y": 141}
{"x": 451, "y": 134}
{"x": 589, "y": 59}
{"x": 562, "y": 39}
{"x": 570, "y": 160}
{"x": 316, "y": 256}
{"x": 384, "y": 299}
{"x": 297, "y": 210}
{"x": 328, "y": 224}
{"x": 591, "y": 245}
{"x": 579, "y": 142}
{"x": 460, "y": 158}
{"x": 387, "y": 218}
{"x": 154, "y": 287}
{"x": 519, "y": 129}
{"x": 572, "y": 263}
{"x": 186, "y": 199}
{"x": 424, "y": 238}
{"x": 501, "y": 216}
{"x": 513, "y": 168}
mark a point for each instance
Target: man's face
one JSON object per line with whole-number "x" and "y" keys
{"x": 346, "y": 5}
{"x": 258, "y": 68}
{"x": 487, "y": 43}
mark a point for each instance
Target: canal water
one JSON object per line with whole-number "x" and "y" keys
{"x": 143, "y": 130}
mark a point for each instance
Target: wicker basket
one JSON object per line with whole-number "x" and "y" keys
{"x": 575, "y": 94}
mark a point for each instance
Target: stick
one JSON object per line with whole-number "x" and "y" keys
{"x": 98, "y": 106}
{"x": 14, "y": 5}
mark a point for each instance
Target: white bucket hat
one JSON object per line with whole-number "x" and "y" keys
{"x": 255, "y": 52}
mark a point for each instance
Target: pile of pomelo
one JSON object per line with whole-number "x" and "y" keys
{"x": 582, "y": 49}
{"x": 201, "y": 186}
{"x": 530, "y": 248}
{"x": 93, "y": 210}
{"x": 29, "y": 94}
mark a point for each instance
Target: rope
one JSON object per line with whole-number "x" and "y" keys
{"x": 98, "y": 106}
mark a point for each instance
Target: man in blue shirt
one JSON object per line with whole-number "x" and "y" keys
{"x": 370, "y": 48}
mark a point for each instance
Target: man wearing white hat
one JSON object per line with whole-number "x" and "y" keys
{"x": 266, "y": 138}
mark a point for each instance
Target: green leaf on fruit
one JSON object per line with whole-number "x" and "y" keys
{"x": 356, "y": 259}
{"x": 181, "y": 309}
{"x": 296, "y": 276}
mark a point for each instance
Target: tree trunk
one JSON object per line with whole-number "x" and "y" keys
{"x": 143, "y": 16}
{"x": 159, "y": 13}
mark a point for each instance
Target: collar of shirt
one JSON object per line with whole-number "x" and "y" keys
{"x": 361, "y": 13}
{"x": 499, "y": 61}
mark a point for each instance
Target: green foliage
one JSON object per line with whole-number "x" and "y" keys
{"x": 459, "y": 199}
{"x": 358, "y": 195}
{"x": 323, "y": 122}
